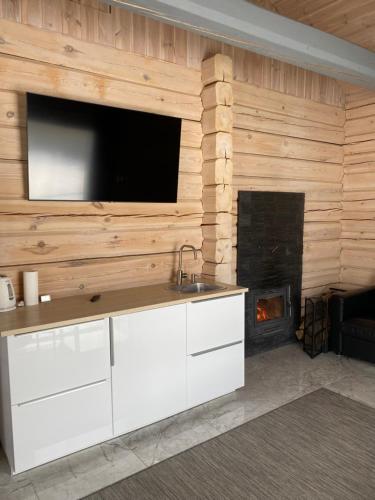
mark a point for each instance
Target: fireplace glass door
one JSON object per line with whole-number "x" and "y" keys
{"x": 270, "y": 308}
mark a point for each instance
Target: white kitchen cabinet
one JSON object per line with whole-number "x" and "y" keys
{"x": 55, "y": 392}
{"x": 55, "y": 426}
{"x": 215, "y": 322}
{"x": 149, "y": 366}
{"x": 51, "y": 361}
{"x": 215, "y": 348}
{"x": 68, "y": 388}
{"x": 214, "y": 373}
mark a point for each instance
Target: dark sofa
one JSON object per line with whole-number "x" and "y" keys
{"x": 352, "y": 331}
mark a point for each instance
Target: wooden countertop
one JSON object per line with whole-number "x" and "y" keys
{"x": 78, "y": 309}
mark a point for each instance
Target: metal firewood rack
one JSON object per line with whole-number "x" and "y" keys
{"x": 315, "y": 338}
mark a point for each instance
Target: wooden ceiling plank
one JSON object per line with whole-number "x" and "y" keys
{"x": 304, "y": 9}
{"x": 345, "y": 17}
{"x": 352, "y": 21}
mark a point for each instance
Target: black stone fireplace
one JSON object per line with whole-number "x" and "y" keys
{"x": 269, "y": 263}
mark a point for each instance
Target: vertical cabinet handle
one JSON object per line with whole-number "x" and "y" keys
{"x": 111, "y": 346}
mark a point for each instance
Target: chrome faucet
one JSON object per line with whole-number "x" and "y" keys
{"x": 180, "y": 273}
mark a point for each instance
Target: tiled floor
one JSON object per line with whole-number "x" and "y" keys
{"x": 272, "y": 379}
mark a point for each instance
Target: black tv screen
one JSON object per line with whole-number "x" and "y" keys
{"x": 90, "y": 152}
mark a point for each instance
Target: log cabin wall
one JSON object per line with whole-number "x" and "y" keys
{"x": 99, "y": 23}
{"x": 89, "y": 51}
{"x": 285, "y": 143}
{"x": 358, "y": 220}
{"x": 82, "y": 247}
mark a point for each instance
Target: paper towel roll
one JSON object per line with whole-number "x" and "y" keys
{"x": 30, "y": 288}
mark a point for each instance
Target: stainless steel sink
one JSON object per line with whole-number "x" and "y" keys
{"x": 196, "y": 287}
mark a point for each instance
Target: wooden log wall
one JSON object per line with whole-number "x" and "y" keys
{"x": 99, "y": 23}
{"x": 358, "y": 220}
{"x": 217, "y": 149}
{"x": 92, "y": 52}
{"x": 284, "y": 143}
{"x": 81, "y": 247}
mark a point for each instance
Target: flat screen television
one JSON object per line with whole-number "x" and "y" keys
{"x": 90, "y": 152}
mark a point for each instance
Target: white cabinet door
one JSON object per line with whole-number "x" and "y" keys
{"x": 214, "y": 323}
{"x": 52, "y": 361}
{"x": 55, "y": 426}
{"x": 214, "y": 373}
{"x": 149, "y": 367}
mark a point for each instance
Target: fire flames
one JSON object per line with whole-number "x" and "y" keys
{"x": 270, "y": 308}
{"x": 261, "y": 313}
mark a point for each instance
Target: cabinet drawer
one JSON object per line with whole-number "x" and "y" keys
{"x": 51, "y": 361}
{"x": 214, "y": 373}
{"x": 213, "y": 323}
{"x": 58, "y": 425}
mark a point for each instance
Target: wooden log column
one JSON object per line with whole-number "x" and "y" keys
{"x": 217, "y": 148}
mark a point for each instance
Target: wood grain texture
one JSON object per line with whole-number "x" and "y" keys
{"x": 78, "y": 277}
{"x": 217, "y": 94}
{"x": 358, "y": 217}
{"x": 286, "y": 105}
{"x": 352, "y": 21}
{"x": 282, "y": 143}
{"x": 31, "y": 248}
{"x": 13, "y": 181}
{"x": 218, "y": 68}
{"x": 132, "y": 33}
{"x": 33, "y": 76}
{"x": 217, "y": 145}
{"x": 218, "y": 171}
{"x": 93, "y": 246}
{"x": 253, "y": 118}
{"x": 285, "y": 147}
{"x": 58, "y": 49}
{"x": 217, "y": 151}
{"x": 90, "y": 52}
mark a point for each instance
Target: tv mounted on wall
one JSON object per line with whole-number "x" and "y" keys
{"x": 89, "y": 152}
